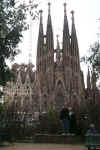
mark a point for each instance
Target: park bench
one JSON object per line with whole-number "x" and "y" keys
{"x": 92, "y": 141}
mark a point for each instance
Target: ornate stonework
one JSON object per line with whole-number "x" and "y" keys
{"x": 57, "y": 80}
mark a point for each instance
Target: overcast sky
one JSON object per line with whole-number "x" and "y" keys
{"x": 87, "y": 13}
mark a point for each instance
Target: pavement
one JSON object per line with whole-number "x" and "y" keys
{"x": 28, "y": 146}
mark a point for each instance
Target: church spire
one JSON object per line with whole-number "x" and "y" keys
{"x": 88, "y": 80}
{"x": 72, "y": 12}
{"x": 64, "y": 9}
{"x": 41, "y": 18}
{"x": 49, "y": 32}
{"x": 40, "y": 42}
{"x": 49, "y": 4}
{"x": 19, "y": 79}
{"x": 66, "y": 36}
{"x": 93, "y": 79}
{"x": 74, "y": 44}
{"x": 50, "y": 49}
{"x": 66, "y": 49}
{"x": 58, "y": 46}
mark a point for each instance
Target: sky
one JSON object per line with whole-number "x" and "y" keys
{"x": 87, "y": 13}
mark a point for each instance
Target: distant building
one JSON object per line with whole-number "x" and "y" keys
{"x": 58, "y": 78}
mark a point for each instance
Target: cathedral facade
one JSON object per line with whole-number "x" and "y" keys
{"x": 58, "y": 78}
{"x": 58, "y": 74}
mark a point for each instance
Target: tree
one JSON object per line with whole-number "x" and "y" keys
{"x": 13, "y": 16}
{"x": 93, "y": 60}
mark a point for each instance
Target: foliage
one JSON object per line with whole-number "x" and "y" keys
{"x": 13, "y": 16}
{"x": 93, "y": 60}
{"x": 3, "y": 111}
{"x": 52, "y": 112}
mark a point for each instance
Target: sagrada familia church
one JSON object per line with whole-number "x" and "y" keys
{"x": 58, "y": 78}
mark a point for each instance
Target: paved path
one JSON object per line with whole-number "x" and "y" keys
{"x": 22, "y": 146}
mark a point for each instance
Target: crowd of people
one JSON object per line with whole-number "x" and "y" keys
{"x": 68, "y": 120}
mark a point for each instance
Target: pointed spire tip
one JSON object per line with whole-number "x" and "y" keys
{"x": 41, "y": 11}
{"x": 49, "y": 4}
{"x": 65, "y": 8}
{"x": 57, "y": 36}
{"x": 41, "y": 19}
{"x": 58, "y": 46}
{"x": 72, "y": 12}
{"x": 65, "y": 4}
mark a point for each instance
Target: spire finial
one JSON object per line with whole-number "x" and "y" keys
{"x": 65, "y": 8}
{"x": 49, "y": 4}
{"x": 72, "y": 12}
{"x": 41, "y": 19}
{"x": 57, "y": 41}
{"x": 57, "y": 38}
{"x": 88, "y": 70}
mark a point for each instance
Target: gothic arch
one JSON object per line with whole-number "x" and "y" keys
{"x": 58, "y": 81}
{"x": 59, "y": 94}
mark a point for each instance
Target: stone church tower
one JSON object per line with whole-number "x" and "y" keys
{"x": 58, "y": 80}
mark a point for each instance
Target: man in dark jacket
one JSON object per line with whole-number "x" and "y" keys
{"x": 64, "y": 117}
{"x": 72, "y": 121}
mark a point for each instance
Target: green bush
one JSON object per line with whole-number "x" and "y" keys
{"x": 52, "y": 112}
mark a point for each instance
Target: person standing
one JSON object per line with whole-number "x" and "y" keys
{"x": 72, "y": 121}
{"x": 92, "y": 129}
{"x": 64, "y": 117}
